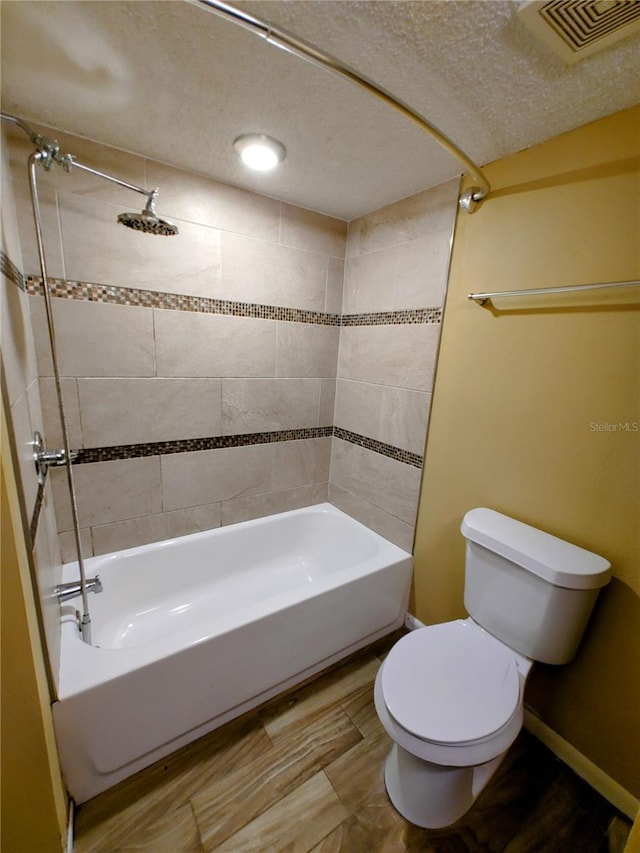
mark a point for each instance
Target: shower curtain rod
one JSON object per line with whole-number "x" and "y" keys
{"x": 481, "y": 298}
{"x": 469, "y": 200}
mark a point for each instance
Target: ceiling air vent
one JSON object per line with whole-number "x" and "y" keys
{"x": 575, "y": 29}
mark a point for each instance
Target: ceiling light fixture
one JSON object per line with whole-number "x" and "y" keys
{"x": 259, "y": 152}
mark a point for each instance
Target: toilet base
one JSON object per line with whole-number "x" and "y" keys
{"x": 429, "y": 795}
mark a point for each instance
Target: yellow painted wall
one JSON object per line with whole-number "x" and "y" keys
{"x": 517, "y": 393}
{"x": 33, "y": 798}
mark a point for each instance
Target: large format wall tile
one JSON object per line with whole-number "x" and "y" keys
{"x": 98, "y": 249}
{"x": 327, "y": 402}
{"x": 18, "y": 351}
{"x": 307, "y": 350}
{"x": 412, "y": 218}
{"x": 390, "y": 485}
{"x": 389, "y": 355}
{"x": 51, "y": 412}
{"x": 412, "y": 275}
{"x": 109, "y": 491}
{"x": 24, "y": 421}
{"x": 335, "y": 286}
{"x": 50, "y": 229}
{"x": 214, "y": 345}
{"x": 258, "y": 506}
{"x": 359, "y": 407}
{"x": 95, "y": 339}
{"x": 404, "y": 416}
{"x": 195, "y": 198}
{"x": 164, "y": 409}
{"x": 263, "y": 405}
{"x": 387, "y": 525}
{"x": 305, "y": 229}
{"x": 68, "y": 549}
{"x": 299, "y": 463}
{"x": 269, "y": 274}
{"x": 154, "y": 528}
{"x": 208, "y": 476}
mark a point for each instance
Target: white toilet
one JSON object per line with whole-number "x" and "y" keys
{"x": 451, "y": 695}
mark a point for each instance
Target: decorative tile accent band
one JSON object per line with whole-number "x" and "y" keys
{"x": 189, "y": 445}
{"x": 88, "y": 292}
{"x": 409, "y": 316}
{"x": 8, "y": 268}
{"x": 35, "y": 517}
{"x": 218, "y": 442}
{"x": 389, "y": 450}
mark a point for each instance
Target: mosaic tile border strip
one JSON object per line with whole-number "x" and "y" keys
{"x": 190, "y": 445}
{"x": 219, "y": 442}
{"x": 389, "y": 450}
{"x": 11, "y": 271}
{"x": 88, "y": 292}
{"x": 35, "y": 517}
{"x": 409, "y": 316}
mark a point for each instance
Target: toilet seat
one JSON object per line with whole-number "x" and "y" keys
{"x": 451, "y": 684}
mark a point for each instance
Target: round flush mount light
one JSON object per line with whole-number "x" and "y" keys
{"x": 259, "y": 152}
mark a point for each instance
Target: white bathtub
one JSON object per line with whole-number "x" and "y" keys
{"x": 194, "y": 631}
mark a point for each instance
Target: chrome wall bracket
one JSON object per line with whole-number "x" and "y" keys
{"x": 45, "y": 459}
{"x": 471, "y": 199}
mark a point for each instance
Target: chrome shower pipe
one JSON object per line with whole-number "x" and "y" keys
{"x": 33, "y": 136}
{"x": 85, "y": 623}
{"x": 68, "y": 162}
{"x": 470, "y": 198}
{"x": 50, "y": 154}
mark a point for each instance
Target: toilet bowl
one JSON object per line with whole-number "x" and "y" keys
{"x": 451, "y": 698}
{"x": 451, "y": 695}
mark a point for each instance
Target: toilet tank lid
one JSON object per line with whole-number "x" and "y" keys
{"x": 547, "y": 556}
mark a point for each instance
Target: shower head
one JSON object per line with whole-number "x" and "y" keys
{"x": 148, "y": 221}
{"x": 150, "y": 224}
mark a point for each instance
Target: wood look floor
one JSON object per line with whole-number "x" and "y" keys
{"x": 304, "y": 774}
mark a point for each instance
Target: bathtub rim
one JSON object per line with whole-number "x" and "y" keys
{"x": 83, "y": 667}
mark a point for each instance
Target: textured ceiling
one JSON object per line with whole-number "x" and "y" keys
{"x": 176, "y": 83}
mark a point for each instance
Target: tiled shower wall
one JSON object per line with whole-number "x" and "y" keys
{"x": 199, "y": 372}
{"x": 396, "y": 271}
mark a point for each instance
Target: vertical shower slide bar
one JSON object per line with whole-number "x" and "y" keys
{"x": 85, "y": 620}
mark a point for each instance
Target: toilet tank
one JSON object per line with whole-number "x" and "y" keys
{"x": 531, "y": 590}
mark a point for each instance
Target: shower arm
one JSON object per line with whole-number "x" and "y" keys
{"x": 469, "y": 200}
{"x": 49, "y": 151}
{"x": 68, "y": 162}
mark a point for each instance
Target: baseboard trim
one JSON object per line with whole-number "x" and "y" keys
{"x": 584, "y": 767}
{"x": 412, "y": 623}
